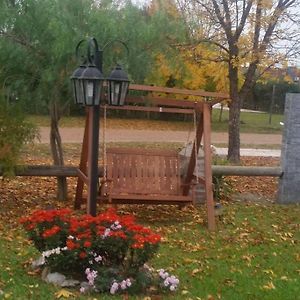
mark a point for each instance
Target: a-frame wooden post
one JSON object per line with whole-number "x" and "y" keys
{"x": 203, "y": 128}
{"x": 207, "y": 167}
{"x": 83, "y": 164}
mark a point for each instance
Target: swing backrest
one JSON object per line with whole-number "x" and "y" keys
{"x": 142, "y": 171}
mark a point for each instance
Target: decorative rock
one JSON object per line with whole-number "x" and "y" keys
{"x": 37, "y": 263}
{"x": 58, "y": 279}
{"x": 86, "y": 287}
{"x": 55, "y": 278}
{"x": 70, "y": 283}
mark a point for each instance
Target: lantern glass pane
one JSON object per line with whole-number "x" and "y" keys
{"x": 124, "y": 91}
{"x": 89, "y": 92}
{"x": 114, "y": 92}
{"x": 78, "y": 92}
{"x": 74, "y": 91}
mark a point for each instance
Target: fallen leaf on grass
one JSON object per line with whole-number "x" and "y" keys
{"x": 64, "y": 294}
{"x": 34, "y": 272}
{"x": 229, "y": 282}
{"x": 195, "y": 271}
{"x": 284, "y": 278}
{"x": 269, "y": 286}
{"x": 270, "y": 272}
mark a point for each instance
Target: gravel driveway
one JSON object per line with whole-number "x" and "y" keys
{"x": 75, "y": 135}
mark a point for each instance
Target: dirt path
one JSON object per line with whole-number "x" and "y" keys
{"x": 75, "y": 135}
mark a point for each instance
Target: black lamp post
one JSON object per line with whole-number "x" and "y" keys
{"x": 88, "y": 83}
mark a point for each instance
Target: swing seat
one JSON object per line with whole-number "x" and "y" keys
{"x": 143, "y": 176}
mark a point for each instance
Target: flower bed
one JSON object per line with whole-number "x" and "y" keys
{"x": 110, "y": 250}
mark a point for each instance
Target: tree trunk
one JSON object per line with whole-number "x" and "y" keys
{"x": 57, "y": 151}
{"x": 234, "y": 117}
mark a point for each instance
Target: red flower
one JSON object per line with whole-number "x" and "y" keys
{"x": 30, "y": 226}
{"x": 100, "y": 230}
{"x": 71, "y": 245}
{"x": 153, "y": 238}
{"x": 137, "y": 246}
{"x": 118, "y": 234}
{"x": 50, "y": 232}
{"x": 82, "y": 255}
{"x": 87, "y": 244}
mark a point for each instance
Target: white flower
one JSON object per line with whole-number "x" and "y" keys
{"x": 53, "y": 251}
{"x": 123, "y": 285}
{"x": 163, "y": 274}
{"x": 91, "y": 276}
{"x": 114, "y": 288}
{"x": 106, "y": 233}
{"x": 128, "y": 282}
{"x": 173, "y": 280}
{"x": 98, "y": 258}
{"x": 116, "y": 225}
{"x": 166, "y": 282}
{"x": 173, "y": 288}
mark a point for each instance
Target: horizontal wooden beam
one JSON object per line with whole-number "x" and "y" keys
{"x": 152, "y": 109}
{"x": 47, "y": 171}
{"x": 247, "y": 171}
{"x": 159, "y": 89}
{"x": 70, "y": 171}
{"x": 164, "y": 101}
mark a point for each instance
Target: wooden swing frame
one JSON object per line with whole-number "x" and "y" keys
{"x": 158, "y": 104}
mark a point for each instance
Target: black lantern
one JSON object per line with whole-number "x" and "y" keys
{"x": 77, "y": 87}
{"x": 91, "y": 82}
{"x": 118, "y": 84}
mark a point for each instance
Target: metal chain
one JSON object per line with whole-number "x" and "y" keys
{"x": 104, "y": 147}
{"x": 195, "y": 145}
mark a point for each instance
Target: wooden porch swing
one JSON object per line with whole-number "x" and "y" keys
{"x": 153, "y": 176}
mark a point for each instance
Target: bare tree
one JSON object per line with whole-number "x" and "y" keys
{"x": 251, "y": 35}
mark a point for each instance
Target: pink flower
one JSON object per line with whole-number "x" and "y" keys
{"x": 114, "y": 288}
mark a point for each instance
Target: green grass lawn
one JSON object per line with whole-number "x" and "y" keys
{"x": 255, "y": 254}
{"x": 250, "y": 122}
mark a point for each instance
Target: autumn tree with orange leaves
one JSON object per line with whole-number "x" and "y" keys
{"x": 249, "y": 36}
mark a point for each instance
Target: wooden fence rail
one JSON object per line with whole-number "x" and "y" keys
{"x": 69, "y": 171}
{"x": 247, "y": 171}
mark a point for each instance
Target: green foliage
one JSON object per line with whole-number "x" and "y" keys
{"x": 15, "y": 132}
{"x": 38, "y": 40}
{"x": 262, "y": 94}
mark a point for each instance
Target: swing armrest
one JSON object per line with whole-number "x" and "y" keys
{"x": 192, "y": 186}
